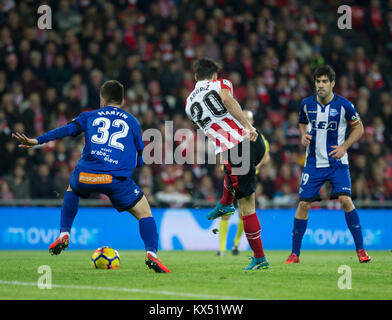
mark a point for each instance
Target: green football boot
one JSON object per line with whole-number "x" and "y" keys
{"x": 257, "y": 263}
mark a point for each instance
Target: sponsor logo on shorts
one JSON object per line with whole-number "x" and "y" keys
{"x": 92, "y": 178}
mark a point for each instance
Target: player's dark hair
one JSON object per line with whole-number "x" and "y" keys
{"x": 112, "y": 91}
{"x": 325, "y": 70}
{"x": 205, "y": 68}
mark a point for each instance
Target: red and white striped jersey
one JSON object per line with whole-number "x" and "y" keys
{"x": 205, "y": 108}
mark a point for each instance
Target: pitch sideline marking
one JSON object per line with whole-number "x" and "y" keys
{"x": 133, "y": 290}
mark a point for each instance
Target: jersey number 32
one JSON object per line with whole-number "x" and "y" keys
{"x": 103, "y": 132}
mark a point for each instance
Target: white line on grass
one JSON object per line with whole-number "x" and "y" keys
{"x": 133, "y": 290}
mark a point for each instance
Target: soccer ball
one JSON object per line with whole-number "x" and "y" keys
{"x": 105, "y": 258}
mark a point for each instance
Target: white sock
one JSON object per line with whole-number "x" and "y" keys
{"x": 152, "y": 253}
{"x": 62, "y": 234}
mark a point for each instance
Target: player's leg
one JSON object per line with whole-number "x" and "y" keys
{"x": 265, "y": 158}
{"x": 69, "y": 210}
{"x": 225, "y": 206}
{"x": 352, "y": 220}
{"x": 77, "y": 188}
{"x": 299, "y": 228}
{"x": 252, "y": 228}
{"x": 245, "y": 186}
{"x": 126, "y": 195}
{"x": 311, "y": 182}
{"x": 147, "y": 227}
{"x": 354, "y": 225}
{"x": 149, "y": 234}
{"x": 240, "y": 229}
{"x": 223, "y": 229}
{"x": 341, "y": 189}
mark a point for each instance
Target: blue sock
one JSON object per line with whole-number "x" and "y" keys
{"x": 148, "y": 232}
{"x": 68, "y": 211}
{"x": 298, "y": 233}
{"x": 354, "y": 226}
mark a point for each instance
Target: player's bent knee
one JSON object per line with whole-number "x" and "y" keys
{"x": 141, "y": 209}
{"x": 347, "y": 203}
{"x": 303, "y": 209}
{"x": 246, "y": 205}
{"x": 304, "y": 205}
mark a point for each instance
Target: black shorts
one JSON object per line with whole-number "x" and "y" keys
{"x": 240, "y": 166}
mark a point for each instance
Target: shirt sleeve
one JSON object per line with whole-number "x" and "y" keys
{"x": 351, "y": 115}
{"x": 81, "y": 121}
{"x": 303, "y": 118}
{"x": 226, "y": 84}
{"x": 73, "y": 128}
{"x": 69, "y": 129}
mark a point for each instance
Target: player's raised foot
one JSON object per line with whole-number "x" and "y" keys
{"x": 221, "y": 210}
{"x": 257, "y": 263}
{"x": 220, "y": 253}
{"x": 293, "y": 258}
{"x": 59, "y": 245}
{"x": 156, "y": 264}
{"x": 235, "y": 251}
{"x": 363, "y": 256}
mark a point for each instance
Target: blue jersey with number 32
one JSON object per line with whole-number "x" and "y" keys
{"x": 113, "y": 139}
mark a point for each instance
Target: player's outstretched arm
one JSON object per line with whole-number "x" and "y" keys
{"x": 235, "y": 110}
{"x": 24, "y": 141}
{"x": 71, "y": 129}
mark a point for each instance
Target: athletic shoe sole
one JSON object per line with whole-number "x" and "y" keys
{"x": 155, "y": 266}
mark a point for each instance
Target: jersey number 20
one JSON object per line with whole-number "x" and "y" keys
{"x": 103, "y": 132}
{"x": 213, "y": 103}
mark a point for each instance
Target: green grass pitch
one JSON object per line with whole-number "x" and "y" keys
{"x": 195, "y": 276}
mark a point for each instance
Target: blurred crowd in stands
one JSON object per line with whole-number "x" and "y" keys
{"x": 268, "y": 49}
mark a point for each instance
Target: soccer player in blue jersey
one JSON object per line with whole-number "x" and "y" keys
{"x": 113, "y": 149}
{"x": 323, "y": 120}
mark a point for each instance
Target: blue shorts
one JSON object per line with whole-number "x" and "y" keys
{"x": 313, "y": 179}
{"x": 123, "y": 192}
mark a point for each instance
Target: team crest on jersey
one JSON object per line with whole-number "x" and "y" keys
{"x": 227, "y": 82}
{"x": 333, "y": 112}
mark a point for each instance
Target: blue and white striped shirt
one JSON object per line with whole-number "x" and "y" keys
{"x": 327, "y": 125}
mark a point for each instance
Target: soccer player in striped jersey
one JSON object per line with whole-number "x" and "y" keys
{"x": 228, "y": 194}
{"x": 212, "y": 107}
{"x": 323, "y": 120}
